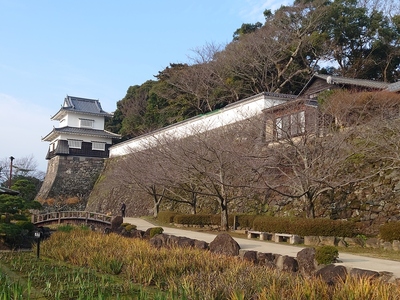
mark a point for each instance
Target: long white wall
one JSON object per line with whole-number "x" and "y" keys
{"x": 230, "y": 114}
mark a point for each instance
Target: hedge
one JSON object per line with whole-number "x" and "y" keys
{"x": 166, "y": 216}
{"x": 390, "y": 231}
{"x": 305, "y": 227}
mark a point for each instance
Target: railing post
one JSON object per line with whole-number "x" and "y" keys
{"x": 59, "y": 217}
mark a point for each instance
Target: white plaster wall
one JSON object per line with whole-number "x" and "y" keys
{"x": 72, "y": 120}
{"x": 230, "y": 114}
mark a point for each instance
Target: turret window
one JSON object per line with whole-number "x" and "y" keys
{"x": 76, "y": 144}
{"x": 87, "y": 123}
{"x": 98, "y": 146}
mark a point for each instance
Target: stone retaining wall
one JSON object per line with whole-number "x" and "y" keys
{"x": 69, "y": 180}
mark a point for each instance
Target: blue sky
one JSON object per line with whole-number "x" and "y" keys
{"x": 97, "y": 49}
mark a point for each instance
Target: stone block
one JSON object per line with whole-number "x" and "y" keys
{"x": 311, "y": 240}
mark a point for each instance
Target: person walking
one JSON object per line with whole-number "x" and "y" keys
{"x": 123, "y": 209}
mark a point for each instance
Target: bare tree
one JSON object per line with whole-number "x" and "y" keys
{"x": 21, "y": 166}
{"x": 301, "y": 164}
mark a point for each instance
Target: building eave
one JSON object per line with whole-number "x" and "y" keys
{"x": 80, "y": 132}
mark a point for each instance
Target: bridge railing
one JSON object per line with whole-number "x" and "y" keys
{"x": 65, "y": 215}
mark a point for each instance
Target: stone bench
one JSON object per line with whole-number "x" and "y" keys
{"x": 262, "y": 235}
{"x": 284, "y": 237}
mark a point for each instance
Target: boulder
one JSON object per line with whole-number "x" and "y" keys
{"x": 201, "y": 245}
{"x": 251, "y": 255}
{"x": 224, "y": 244}
{"x": 185, "y": 242}
{"x": 311, "y": 240}
{"x": 306, "y": 261}
{"x": 137, "y": 233}
{"x": 173, "y": 240}
{"x": 354, "y": 242}
{"x": 327, "y": 241}
{"x": 266, "y": 259}
{"x": 387, "y": 246}
{"x": 342, "y": 243}
{"x": 332, "y": 274}
{"x": 287, "y": 263}
{"x": 372, "y": 243}
{"x": 116, "y": 222}
{"x": 160, "y": 240}
{"x": 396, "y": 245}
{"x": 361, "y": 273}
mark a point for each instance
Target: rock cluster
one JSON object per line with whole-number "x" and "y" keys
{"x": 304, "y": 263}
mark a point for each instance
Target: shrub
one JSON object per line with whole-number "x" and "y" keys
{"x": 156, "y": 230}
{"x": 326, "y": 255}
{"x": 198, "y": 219}
{"x": 305, "y": 227}
{"x": 130, "y": 227}
{"x": 166, "y": 216}
{"x": 390, "y": 231}
{"x": 245, "y": 221}
{"x": 20, "y": 217}
{"x": 274, "y": 224}
{"x": 325, "y": 227}
{"x": 25, "y": 225}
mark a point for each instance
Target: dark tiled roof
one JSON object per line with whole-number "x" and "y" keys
{"x": 394, "y": 87}
{"x": 346, "y": 81}
{"x": 82, "y": 105}
{"x": 352, "y": 81}
{"x": 81, "y": 131}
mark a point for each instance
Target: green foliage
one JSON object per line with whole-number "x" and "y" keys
{"x": 26, "y": 188}
{"x": 246, "y": 221}
{"x": 65, "y": 228}
{"x": 390, "y": 231}
{"x": 198, "y": 219}
{"x": 326, "y": 255}
{"x": 167, "y": 216}
{"x": 274, "y": 224}
{"x": 130, "y": 227}
{"x": 10, "y": 204}
{"x": 16, "y": 235}
{"x": 305, "y": 227}
{"x": 28, "y": 278}
{"x": 363, "y": 42}
{"x": 156, "y": 230}
{"x": 20, "y": 217}
{"x": 246, "y": 28}
{"x": 27, "y": 225}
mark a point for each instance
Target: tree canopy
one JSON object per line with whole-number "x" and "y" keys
{"x": 356, "y": 39}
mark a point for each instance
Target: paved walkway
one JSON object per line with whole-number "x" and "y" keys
{"x": 348, "y": 260}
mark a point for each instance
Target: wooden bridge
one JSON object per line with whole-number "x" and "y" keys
{"x": 72, "y": 217}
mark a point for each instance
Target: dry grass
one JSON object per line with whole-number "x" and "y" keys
{"x": 197, "y": 274}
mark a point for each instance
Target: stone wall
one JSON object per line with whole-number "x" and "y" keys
{"x": 111, "y": 190}
{"x": 69, "y": 181}
{"x": 370, "y": 203}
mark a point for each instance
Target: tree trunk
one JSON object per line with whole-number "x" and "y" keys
{"x": 156, "y": 208}
{"x": 224, "y": 217}
{"x": 310, "y": 209}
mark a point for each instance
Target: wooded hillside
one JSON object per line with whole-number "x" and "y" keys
{"x": 356, "y": 39}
